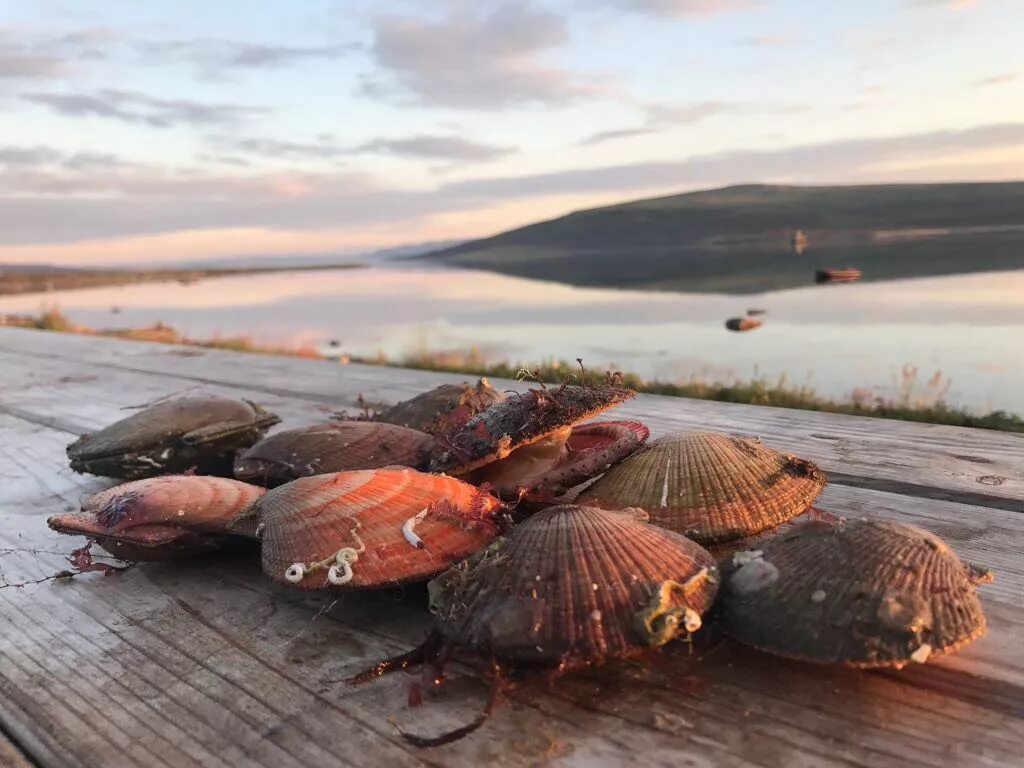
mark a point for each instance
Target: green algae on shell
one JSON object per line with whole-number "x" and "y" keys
{"x": 442, "y": 409}
{"x": 522, "y": 419}
{"x": 574, "y": 586}
{"x": 861, "y": 593}
{"x": 711, "y": 487}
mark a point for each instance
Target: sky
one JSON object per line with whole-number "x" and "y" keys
{"x": 147, "y": 133}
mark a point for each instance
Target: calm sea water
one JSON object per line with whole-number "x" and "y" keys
{"x": 963, "y": 335}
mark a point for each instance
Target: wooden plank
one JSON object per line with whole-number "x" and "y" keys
{"x": 253, "y": 671}
{"x": 11, "y": 756}
{"x": 976, "y": 466}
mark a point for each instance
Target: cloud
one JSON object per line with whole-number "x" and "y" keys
{"x": 682, "y": 7}
{"x": 473, "y": 61}
{"x": 276, "y": 149}
{"x": 135, "y": 107}
{"x": 621, "y": 133}
{"x": 41, "y": 156}
{"x": 57, "y": 205}
{"x": 28, "y": 156}
{"x": 807, "y": 163}
{"x": 214, "y": 57}
{"x": 431, "y": 147}
{"x": 771, "y": 40}
{"x": 664, "y": 116}
{"x": 1000, "y": 79}
{"x": 27, "y": 56}
{"x": 20, "y": 65}
{"x": 955, "y": 4}
{"x": 437, "y": 148}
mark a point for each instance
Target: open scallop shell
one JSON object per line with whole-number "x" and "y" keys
{"x": 333, "y": 447}
{"x": 711, "y": 487}
{"x": 369, "y": 528}
{"x": 521, "y": 420}
{"x": 442, "y": 409}
{"x": 590, "y": 450}
{"x": 201, "y": 433}
{"x": 574, "y": 586}
{"x": 160, "y": 518}
{"x": 862, "y": 593}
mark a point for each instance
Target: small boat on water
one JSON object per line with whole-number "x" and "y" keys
{"x": 742, "y": 323}
{"x": 844, "y": 275}
{"x": 753, "y": 311}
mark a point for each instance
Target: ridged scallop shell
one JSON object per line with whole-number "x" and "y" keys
{"x": 160, "y": 517}
{"x": 442, "y": 409}
{"x": 520, "y": 420}
{"x": 862, "y": 593}
{"x": 709, "y": 486}
{"x": 173, "y": 436}
{"x": 573, "y": 586}
{"x": 390, "y": 526}
{"x": 333, "y": 447}
{"x": 590, "y": 450}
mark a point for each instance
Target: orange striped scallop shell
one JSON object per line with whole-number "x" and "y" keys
{"x": 711, "y": 487}
{"x": 573, "y": 586}
{"x": 370, "y": 528}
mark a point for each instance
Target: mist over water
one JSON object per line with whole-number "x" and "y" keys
{"x": 964, "y": 332}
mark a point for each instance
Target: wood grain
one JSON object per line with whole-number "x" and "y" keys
{"x": 11, "y": 756}
{"x": 208, "y": 663}
{"x": 972, "y": 465}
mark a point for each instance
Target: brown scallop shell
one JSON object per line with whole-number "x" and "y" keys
{"x": 160, "y": 518}
{"x": 862, "y": 593}
{"x": 520, "y": 420}
{"x": 590, "y": 450}
{"x": 573, "y": 586}
{"x": 711, "y": 487}
{"x": 201, "y": 433}
{"x": 389, "y": 526}
{"x": 442, "y": 409}
{"x": 333, "y": 447}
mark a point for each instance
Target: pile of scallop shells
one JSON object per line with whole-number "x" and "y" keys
{"x": 548, "y": 542}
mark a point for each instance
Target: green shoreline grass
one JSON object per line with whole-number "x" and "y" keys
{"x": 758, "y": 391}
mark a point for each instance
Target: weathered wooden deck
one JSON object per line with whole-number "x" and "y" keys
{"x": 208, "y": 663}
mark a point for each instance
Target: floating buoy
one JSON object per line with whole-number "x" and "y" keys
{"x": 844, "y": 275}
{"x": 742, "y": 323}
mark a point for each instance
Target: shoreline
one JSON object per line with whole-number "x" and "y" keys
{"x": 758, "y": 391}
{"x": 21, "y": 281}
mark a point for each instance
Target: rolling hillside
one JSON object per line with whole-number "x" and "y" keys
{"x": 738, "y": 239}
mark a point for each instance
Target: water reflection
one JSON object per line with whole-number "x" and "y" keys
{"x": 833, "y": 338}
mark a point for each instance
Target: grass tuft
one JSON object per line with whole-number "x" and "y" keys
{"x": 914, "y": 402}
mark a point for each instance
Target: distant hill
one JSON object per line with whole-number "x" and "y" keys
{"x": 44, "y": 278}
{"x": 739, "y": 239}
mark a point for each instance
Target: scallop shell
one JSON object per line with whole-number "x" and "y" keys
{"x": 590, "y": 450}
{"x": 160, "y": 517}
{"x": 709, "y": 486}
{"x": 521, "y": 420}
{"x": 370, "y": 528}
{"x": 444, "y": 408}
{"x": 862, "y": 593}
{"x": 333, "y": 447}
{"x": 574, "y": 586}
{"x": 200, "y": 433}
